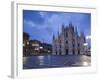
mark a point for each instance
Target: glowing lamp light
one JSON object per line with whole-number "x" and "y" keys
{"x": 85, "y": 64}
{"x": 28, "y": 43}
{"x": 85, "y": 44}
{"x": 41, "y": 47}
{"x": 48, "y": 51}
{"x": 88, "y": 37}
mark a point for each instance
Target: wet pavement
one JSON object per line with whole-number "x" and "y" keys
{"x": 50, "y": 61}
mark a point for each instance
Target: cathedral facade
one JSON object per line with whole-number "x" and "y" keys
{"x": 68, "y": 41}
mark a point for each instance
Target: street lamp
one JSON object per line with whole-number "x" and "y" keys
{"x": 41, "y": 47}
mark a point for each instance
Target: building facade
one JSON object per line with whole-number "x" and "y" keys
{"x": 68, "y": 41}
{"x": 35, "y": 47}
{"x": 25, "y": 44}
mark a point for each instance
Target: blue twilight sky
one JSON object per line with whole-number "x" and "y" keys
{"x": 41, "y": 25}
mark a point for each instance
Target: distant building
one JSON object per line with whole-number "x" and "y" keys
{"x": 38, "y": 48}
{"x": 68, "y": 41}
{"x": 34, "y": 47}
{"x": 47, "y": 48}
{"x": 25, "y": 39}
{"x": 25, "y": 43}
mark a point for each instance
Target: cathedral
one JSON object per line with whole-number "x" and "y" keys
{"x": 68, "y": 42}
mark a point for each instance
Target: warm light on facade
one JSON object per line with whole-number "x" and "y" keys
{"x": 36, "y": 49}
{"x": 35, "y": 44}
{"x": 27, "y": 43}
{"x": 48, "y": 51}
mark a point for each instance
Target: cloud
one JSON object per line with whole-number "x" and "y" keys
{"x": 29, "y": 23}
{"x": 33, "y": 16}
{"x": 42, "y": 25}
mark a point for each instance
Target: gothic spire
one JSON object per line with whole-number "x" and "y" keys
{"x": 62, "y": 27}
{"x": 83, "y": 36}
{"x": 53, "y": 37}
{"x": 76, "y": 30}
{"x": 58, "y": 32}
{"x": 70, "y": 24}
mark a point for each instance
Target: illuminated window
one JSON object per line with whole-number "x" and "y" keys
{"x": 35, "y": 44}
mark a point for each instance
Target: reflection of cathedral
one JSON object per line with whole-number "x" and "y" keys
{"x": 68, "y": 41}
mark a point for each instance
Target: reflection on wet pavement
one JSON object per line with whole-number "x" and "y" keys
{"x": 49, "y": 61}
